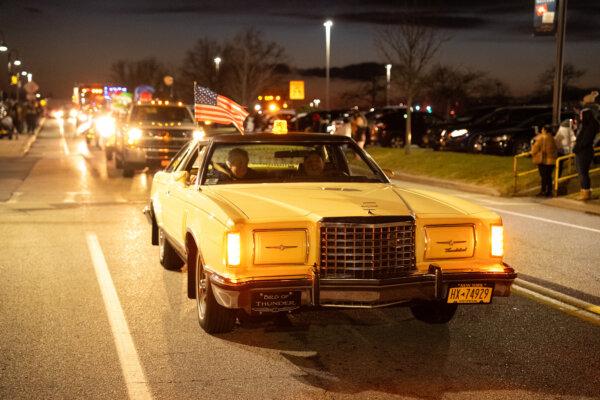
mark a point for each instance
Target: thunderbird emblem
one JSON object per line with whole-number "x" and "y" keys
{"x": 452, "y": 243}
{"x": 281, "y": 247}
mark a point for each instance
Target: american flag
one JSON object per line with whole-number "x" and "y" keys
{"x": 210, "y": 106}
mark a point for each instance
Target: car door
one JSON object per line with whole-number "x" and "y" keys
{"x": 180, "y": 193}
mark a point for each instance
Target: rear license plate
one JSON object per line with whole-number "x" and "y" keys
{"x": 275, "y": 301}
{"x": 471, "y": 293}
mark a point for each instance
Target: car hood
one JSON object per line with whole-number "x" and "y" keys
{"x": 318, "y": 200}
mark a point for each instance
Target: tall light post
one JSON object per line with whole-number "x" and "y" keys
{"x": 217, "y": 64}
{"x": 3, "y": 45}
{"x": 327, "y": 24}
{"x": 388, "y": 78}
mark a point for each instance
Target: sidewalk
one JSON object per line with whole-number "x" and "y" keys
{"x": 590, "y": 207}
{"x": 19, "y": 147}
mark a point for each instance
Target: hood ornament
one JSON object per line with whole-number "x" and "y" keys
{"x": 369, "y": 207}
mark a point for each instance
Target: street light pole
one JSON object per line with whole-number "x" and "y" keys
{"x": 388, "y": 77}
{"x": 327, "y": 26}
{"x": 558, "y": 69}
{"x": 217, "y": 63}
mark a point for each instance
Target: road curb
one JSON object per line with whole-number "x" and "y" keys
{"x": 33, "y": 138}
{"x": 466, "y": 187}
{"x": 573, "y": 301}
{"x": 575, "y": 205}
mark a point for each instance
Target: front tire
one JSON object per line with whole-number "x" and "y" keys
{"x": 167, "y": 256}
{"x": 433, "y": 312}
{"x": 127, "y": 171}
{"x": 212, "y": 317}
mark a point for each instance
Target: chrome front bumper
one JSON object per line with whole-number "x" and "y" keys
{"x": 360, "y": 293}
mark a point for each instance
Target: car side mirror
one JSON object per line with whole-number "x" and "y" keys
{"x": 180, "y": 176}
{"x": 388, "y": 172}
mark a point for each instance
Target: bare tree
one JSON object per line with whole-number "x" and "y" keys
{"x": 254, "y": 68}
{"x": 546, "y": 79}
{"x": 409, "y": 47}
{"x": 147, "y": 71}
{"x": 199, "y": 65}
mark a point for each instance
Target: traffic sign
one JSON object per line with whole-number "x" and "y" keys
{"x": 296, "y": 90}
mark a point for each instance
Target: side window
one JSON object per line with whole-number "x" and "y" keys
{"x": 178, "y": 158}
{"x": 194, "y": 163}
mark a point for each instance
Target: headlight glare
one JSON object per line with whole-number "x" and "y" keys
{"x": 198, "y": 134}
{"x": 497, "y": 241}
{"x": 134, "y": 135}
{"x": 458, "y": 132}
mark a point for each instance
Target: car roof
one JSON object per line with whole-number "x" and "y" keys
{"x": 270, "y": 137}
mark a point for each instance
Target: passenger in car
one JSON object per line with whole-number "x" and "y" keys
{"x": 313, "y": 164}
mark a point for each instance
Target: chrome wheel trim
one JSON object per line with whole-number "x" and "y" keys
{"x": 161, "y": 244}
{"x": 200, "y": 291}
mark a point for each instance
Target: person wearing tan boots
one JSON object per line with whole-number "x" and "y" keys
{"x": 584, "y": 144}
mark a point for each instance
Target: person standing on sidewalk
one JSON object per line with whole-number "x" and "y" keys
{"x": 584, "y": 144}
{"x": 31, "y": 116}
{"x": 544, "y": 154}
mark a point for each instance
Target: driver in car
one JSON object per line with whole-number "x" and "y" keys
{"x": 237, "y": 164}
{"x": 313, "y": 164}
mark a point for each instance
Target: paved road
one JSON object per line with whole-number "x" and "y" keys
{"x": 87, "y": 311}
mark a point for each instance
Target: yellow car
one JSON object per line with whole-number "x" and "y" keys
{"x": 273, "y": 223}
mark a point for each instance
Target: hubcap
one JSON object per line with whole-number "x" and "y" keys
{"x": 200, "y": 291}
{"x": 161, "y": 244}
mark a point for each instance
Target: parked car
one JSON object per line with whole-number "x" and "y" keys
{"x": 517, "y": 139}
{"x": 433, "y": 136}
{"x": 389, "y": 129}
{"x": 468, "y": 137}
{"x": 269, "y": 224}
{"x": 152, "y": 133}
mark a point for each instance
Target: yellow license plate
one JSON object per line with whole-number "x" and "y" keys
{"x": 470, "y": 293}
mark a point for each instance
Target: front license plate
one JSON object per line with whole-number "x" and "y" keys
{"x": 275, "y": 301}
{"x": 471, "y": 293}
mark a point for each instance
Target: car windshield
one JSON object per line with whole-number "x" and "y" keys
{"x": 161, "y": 114}
{"x": 289, "y": 162}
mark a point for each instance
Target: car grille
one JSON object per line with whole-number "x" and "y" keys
{"x": 367, "y": 248}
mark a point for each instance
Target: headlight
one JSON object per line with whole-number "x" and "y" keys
{"x": 458, "y": 132}
{"x": 501, "y": 138}
{"x": 105, "y": 126}
{"x": 233, "y": 248}
{"x": 58, "y": 114}
{"x": 73, "y": 113}
{"x": 134, "y": 135}
{"x": 497, "y": 241}
{"x": 198, "y": 134}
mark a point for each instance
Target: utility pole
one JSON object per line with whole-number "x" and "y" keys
{"x": 558, "y": 69}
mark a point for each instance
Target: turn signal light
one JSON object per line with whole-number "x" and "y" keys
{"x": 497, "y": 240}
{"x": 233, "y": 249}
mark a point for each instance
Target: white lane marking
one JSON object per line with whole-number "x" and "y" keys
{"x": 14, "y": 198}
{"x": 551, "y": 221}
{"x": 65, "y": 147}
{"x": 137, "y": 385}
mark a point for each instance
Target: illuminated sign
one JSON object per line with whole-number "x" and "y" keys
{"x": 296, "y": 90}
{"x": 280, "y": 126}
{"x": 545, "y": 13}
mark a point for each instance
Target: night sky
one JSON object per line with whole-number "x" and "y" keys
{"x": 63, "y": 42}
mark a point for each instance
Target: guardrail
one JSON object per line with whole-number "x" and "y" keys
{"x": 570, "y": 161}
{"x": 569, "y": 164}
{"x": 516, "y": 172}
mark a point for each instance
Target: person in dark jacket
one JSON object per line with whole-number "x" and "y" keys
{"x": 584, "y": 144}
